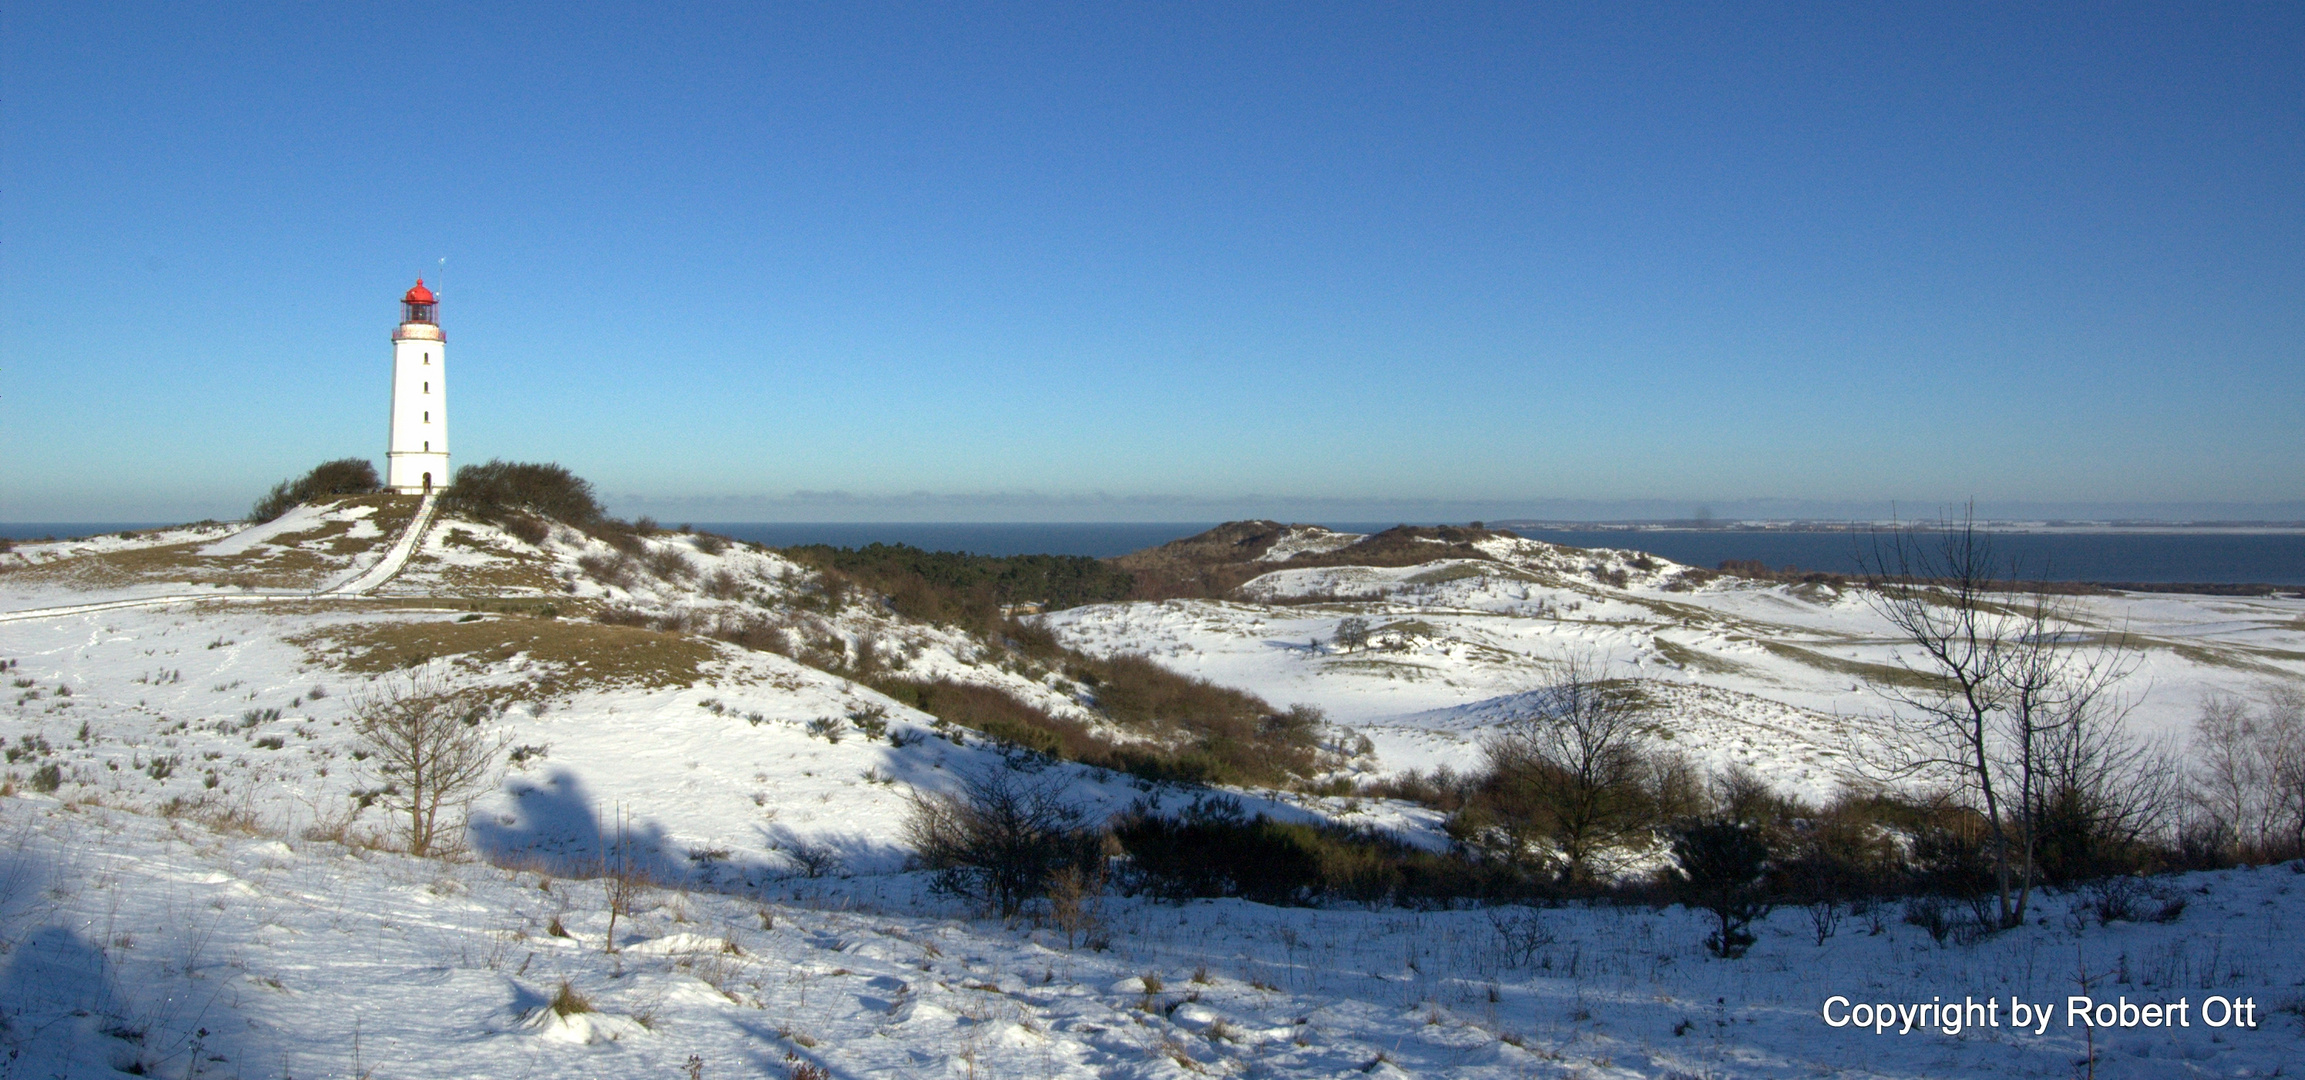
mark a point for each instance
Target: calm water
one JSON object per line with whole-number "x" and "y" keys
{"x": 2213, "y": 558}
{"x": 2272, "y": 558}
{"x": 2277, "y": 559}
{"x": 1101, "y": 540}
{"x": 50, "y": 530}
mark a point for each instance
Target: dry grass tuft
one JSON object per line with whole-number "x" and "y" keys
{"x": 568, "y": 1002}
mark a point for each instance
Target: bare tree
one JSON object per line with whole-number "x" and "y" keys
{"x": 2011, "y": 702}
{"x": 1568, "y": 778}
{"x": 1935, "y": 591}
{"x": 430, "y": 745}
{"x": 2084, "y": 784}
{"x": 2250, "y": 770}
{"x": 1353, "y": 633}
{"x": 2285, "y": 734}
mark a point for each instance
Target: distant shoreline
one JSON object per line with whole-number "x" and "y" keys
{"x": 2202, "y": 557}
{"x": 69, "y": 530}
{"x": 2231, "y": 528}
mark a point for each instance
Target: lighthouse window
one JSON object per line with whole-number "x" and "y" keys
{"x": 427, "y": 388}
{"x": 427, "y": 418}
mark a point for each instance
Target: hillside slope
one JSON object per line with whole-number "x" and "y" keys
{"x": 1785, "y": 678}
{"x": 193, "y": 883}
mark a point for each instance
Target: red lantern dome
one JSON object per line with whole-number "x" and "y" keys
{"x": 417, "y": 305}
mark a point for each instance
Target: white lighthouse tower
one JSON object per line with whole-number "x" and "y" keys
{"x": 417, "y": 460}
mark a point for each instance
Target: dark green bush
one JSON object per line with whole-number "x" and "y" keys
{"x": 499, "y": 491}
{"x": 1210, "y": 734}
{"x": 1215, "y": 849}
{"x": 1002, "y": 838}
{"x": 967, "y": 590}
{"x": 1722, "y": 866}
{"x": 344, "y": 476}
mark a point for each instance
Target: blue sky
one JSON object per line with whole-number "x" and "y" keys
{"x": 1168, "y": 262}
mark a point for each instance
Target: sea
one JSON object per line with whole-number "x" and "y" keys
{"x": 2137, "y": 555}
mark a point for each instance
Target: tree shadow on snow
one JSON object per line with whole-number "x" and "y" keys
{"x": 61, "y": 1013}
{"x": 558, "y": 827}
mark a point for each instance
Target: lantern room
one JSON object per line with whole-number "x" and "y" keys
{"x": 417, "y": 305}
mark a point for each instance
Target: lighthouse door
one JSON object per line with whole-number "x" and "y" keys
{"x": 428, "y": 483}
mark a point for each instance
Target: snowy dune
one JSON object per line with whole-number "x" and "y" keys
{"x": 1455, "y": 635}
{"x": 183, "y": 901}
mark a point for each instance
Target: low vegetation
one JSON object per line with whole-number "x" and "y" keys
{"x": 969, "y": 591}
{"x": 1215, "y": 563}
{"x": 1575, "y": 789}
{"x": 564, "y": 654}
{"x": 1181, "y": 727}
{"x": 525, "y": 498}
{"x": 1003, "y": 838}
{"x": 344, "y": 476}
{"x": 1178, "y": 728}
{"x": 1216, "y": 849}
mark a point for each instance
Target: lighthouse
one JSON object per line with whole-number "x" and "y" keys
{"x": 416, "y": 461}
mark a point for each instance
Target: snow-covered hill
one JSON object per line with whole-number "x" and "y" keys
{"x": 1782, "y": 678}
{"x": 190, "y": 886}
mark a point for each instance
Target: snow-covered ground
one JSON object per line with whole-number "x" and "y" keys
{"x": 197, "y": 895}
{"x": 307, "y": 549}
{"x": 1783, "y": 679}
{"x": 137, "y": 943}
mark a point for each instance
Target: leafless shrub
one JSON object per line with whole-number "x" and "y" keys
{"x": 722, "y": 585}
{"x": 624, "y": 882}
{"x": 1571, "y": 782}
{"x": 618, "y": 570}
{"x": 1001, "y": 838}
{"x": 1076, "y": 904}
{"x": 428, "y": 744}
{"x": 1313, "y": 599}
{"x": 813, "y": 860}
{"x": 499, "y": 490}
{"x": 344, "y": 476}
{"x": 625, "y": 615}
{"x": 1931, "y": 913}
{"x": 668, "y": 564}
{"x": 2116, "y": 899}
{"x": 1688, "y": 580}
{"x": 1824, "y": 918}
{"x": 527, "y": 528}
{"x": 1520, "y": 932}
